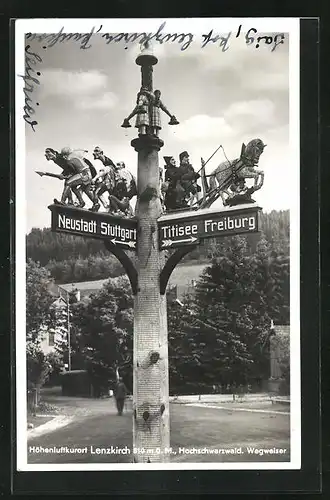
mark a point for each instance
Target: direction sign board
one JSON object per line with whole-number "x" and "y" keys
{"x": 76, "y": 221}
{"x": 186, "y": 228}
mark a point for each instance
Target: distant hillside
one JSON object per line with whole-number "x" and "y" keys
{"x": 77, "y": 259}
{"x": 182, "y": 277}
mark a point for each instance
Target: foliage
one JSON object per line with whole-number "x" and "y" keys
{"x": 43, "y": 245}
{"x": 281, "y": 343}
{"x": 38, "y": 365}
{"x": 39, "y": 320}
{"x": 274, "y": 227}
{"x": 38, "y": 301}
{"x": 204, "y": 352}
{"x": 71, "y": 258}
{"x": 105, "y": 325}
{"x": 220, "y": 336}
{"x": 78, "y": 270}
{"x": 56, "y": 362}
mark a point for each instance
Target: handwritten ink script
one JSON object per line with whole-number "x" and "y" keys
{"x": 30, "y": 81}
{"x": 275, "y": 39}
{"x": 51, "y": 39}
{"x": 183, "y": 39}
{"x": 85, "y": 41}
{"x": 223, "y": 40}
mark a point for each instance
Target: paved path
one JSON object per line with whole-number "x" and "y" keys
{"x": 95, "y": 424}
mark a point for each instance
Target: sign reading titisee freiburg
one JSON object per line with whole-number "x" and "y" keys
{"x": 189, "y": 228}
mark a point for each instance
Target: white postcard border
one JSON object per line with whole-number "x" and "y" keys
{"x": 195, "y": 26}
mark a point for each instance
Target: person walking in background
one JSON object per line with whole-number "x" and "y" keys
{"x": 120, "y": 395}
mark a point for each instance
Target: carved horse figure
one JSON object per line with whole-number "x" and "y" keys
{"x": 231, "y": 175}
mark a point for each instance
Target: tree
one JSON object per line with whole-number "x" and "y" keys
{"x": 281, "y": 345}
{"x": 203, "y": 350}
{"x": 181, "y": 353}
{"x": 38, "y": 300}
{"x": 71, "y": 258}
{"x": 105, "y": 325}
{"x": 39, "y": 320}
{"x": 225, "y": 294}
{"x": 221, "y": 334}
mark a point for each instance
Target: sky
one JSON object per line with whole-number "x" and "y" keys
{"x": 219, "y": 97}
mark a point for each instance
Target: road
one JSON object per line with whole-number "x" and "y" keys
{"x": 230, "y": 426}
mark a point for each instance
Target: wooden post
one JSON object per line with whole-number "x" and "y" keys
{"x": 150, "y": 360}
{"x": 151, "y": 434}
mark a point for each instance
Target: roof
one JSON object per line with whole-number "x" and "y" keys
{"x": 59, "y": 302}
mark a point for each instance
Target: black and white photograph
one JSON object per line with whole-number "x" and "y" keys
{"x": 157, "y": 181}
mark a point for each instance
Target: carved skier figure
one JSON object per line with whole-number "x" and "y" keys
{"x": 81, "y": 178}
{"x": 104, "y": 180}
{"x": 125, "y": 181}
{"x": 124, "y": 190}
{"x": 98, "y": 154}
{"x": 67, "y": 171}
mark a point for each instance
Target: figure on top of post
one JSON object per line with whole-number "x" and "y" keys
{"x": 148, "y": 102}
{"x": 141, "y": 111}
{"x": 155, "y": 105}
{"x": 147, "y": 112}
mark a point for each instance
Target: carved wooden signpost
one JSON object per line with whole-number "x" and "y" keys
{"x": 191, "y": 227}
{"x": 146, "y": 236}
{"x": 118, "y": 231}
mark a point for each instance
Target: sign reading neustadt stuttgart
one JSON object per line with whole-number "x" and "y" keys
{"x": 120, "y": 232}
{"x": 188, "y": 228}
